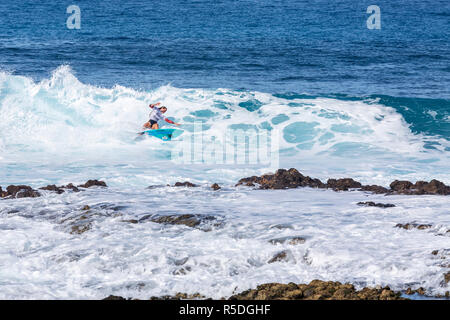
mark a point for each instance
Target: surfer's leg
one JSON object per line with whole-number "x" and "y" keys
{"x": 155, "y": 126}
{"x": 147, "y": 125}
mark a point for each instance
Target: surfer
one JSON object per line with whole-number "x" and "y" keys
{"x": 157, "y": 115}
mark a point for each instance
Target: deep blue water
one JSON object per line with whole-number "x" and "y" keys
{"x": 282, "y": 47}
{"x": 316, "y": 47}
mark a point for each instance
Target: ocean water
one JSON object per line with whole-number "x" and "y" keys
{"x": 338, "y": 99}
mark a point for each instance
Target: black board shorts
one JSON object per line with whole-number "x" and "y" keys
{"x": 152, "y": 122}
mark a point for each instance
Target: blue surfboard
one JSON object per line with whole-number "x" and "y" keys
{"x": 164, "y": 134}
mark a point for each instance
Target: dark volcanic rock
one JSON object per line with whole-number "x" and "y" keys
{"x": 447, "y": 277}
{"x": 315, "y": 290}
{"x": 3, "y": 193}
{"x": 71, "y": 186}
{"x": 420, "y": 187}
{"x": 285, "y": 179}
{"x": 52, "y": 187}
{"x": 282, "y": 179}
{"x": 281, "y": 256}
{"x": 20, "y": 191}
{"x": 180, "y": 296}
{"x": 409, "y": 226}
{"x": 373, "y": 204}
{"x": 375, "y": 189}
{"x": 203, "y": 222}
{"x": 91, "y": 183}
{"x": 420, "y": 291}
{"x": 289, "y": 240}
{"x": 401, "y": 186}
{"x": 80, "y": 228}
{"x": 215, "y": 187}
{"x": 185, "y": 184}
{"x": 116, "y": 298}
{"x": 343, "y": 184}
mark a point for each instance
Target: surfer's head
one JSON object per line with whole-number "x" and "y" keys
{"x": 163, "y": 109}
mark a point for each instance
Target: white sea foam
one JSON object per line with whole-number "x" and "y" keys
{"x": 61, "y": 120}
{"x": 344, "y": 242}
{"x": 60, "y": 130}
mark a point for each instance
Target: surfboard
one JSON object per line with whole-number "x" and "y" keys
{"x": 164, "y": 134}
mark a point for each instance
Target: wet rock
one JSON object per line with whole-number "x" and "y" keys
{"x": 409, "y": 226}
{"x": 181, "y": 261}
{"x": 434, "y": 252}
{"x": 373, "y": 204}
{"x": 374, "y": 189}
{"x": 115, "y": 298}
{"x": 3, "y": 193}
{"x": 215, "y": 187}
{"x": 185, "y": 184}
{"x": 282, "y": 179}
{"x": 80, "y": 228}
{"x": 86, "y": 207}
{"x": 134, "y": 221}
{"x": 203, "y": 222}
{"x": 281, "y": 256}
{"x": 20, "y": 191}
{"x": 289, "y": 240}
{"x": 447, "y": 277}
{"x": 157, "y": 186}
{"x": 420, "y": 187}
{"x": 343, "y": 184}
{"x": 71, "y": 186}
{"x": 54, "y": 188}
{"x": 180, "y": 296}
{"x": 316, "y": 290}
{"x": 285, "y": 179}
{"x": 281, "y": 226}
{"x": 420, "y": 291}
{"x": 182, "y": 271}
{"x": 92, "y": 183}
{"x": 401, "y": 186}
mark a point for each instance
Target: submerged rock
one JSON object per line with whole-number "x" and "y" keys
{"x": 373, "y": 204}
{"x": 282, "y": 256}
{"x": 185, "y": 184}
{"x": 203, "y": 222}
{"x": 316, "y": 290}
{"x": 215, "y": 187}
{"x": 92, "y": 183}
{"x": 289, "y": 240}
{"x": 80, "y": 228}
{"x": 409, "y": 226}
{"x": 70, "y": 186}
{"x": 54, "y": 188}
{"x": 180, "y": 296}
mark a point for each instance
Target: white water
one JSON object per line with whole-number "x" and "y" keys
{"x": 344, "y": 242}
{"x": 60, "y": 130}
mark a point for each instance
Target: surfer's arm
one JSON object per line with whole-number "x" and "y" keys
{"x": 170, "y": 121}
{"x": 154, "y": 105}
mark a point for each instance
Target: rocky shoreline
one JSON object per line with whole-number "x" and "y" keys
{"x": 281, "y": 179}
{"x": 315, "y": 290}
{"x": 292, "y": 178}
